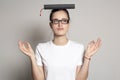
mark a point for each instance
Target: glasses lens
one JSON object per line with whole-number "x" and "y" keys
{"x": 55, "y": 21}
{"x": 63, "y": 21}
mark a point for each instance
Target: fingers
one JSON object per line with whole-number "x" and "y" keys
{"x": 98, "y": 43}
{"x": 28, "y": 44}
{"x": 94, "y": 45}
{"x": 23, "y": 47}
{"x": 91, "y": 44}
{"x": 23, "y": 44}
{"x": 20, "y": 44}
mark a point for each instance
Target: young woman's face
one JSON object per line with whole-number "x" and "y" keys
{"x": 60, "y": 23}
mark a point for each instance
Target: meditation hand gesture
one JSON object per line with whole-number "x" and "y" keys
{"x": 92, "y": 48}
{"x": 26, "y": 48}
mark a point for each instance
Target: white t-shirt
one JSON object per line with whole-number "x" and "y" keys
{"x": 60, "y": 62}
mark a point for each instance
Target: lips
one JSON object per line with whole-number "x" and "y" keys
{"x": 59, "y": 28}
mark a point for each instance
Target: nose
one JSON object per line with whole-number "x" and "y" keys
{"x": 59, "y": 24}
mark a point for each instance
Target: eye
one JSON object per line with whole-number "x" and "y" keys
{"x": 65, "y": 21}
{"x": 55, "y": 21}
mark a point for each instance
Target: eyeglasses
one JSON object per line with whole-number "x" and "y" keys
{"x": 63, "y": 21}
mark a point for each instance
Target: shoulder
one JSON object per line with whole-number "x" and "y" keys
{"x": 77, "y": 44}
{"x": 45, "y": 44}
{"x": 77, "y": 47}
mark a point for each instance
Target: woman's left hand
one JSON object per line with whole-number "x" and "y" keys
{"x": 92, "y": 48}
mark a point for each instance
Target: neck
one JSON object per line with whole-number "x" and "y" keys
{"x": 60, "y": 40}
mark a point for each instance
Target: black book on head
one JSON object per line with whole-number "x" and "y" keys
{"x": 59, "y": 6}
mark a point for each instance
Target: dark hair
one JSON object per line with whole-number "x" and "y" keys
{"x": 55, "y": 10}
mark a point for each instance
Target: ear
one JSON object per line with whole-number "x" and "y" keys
{"x": 50, "y": 25}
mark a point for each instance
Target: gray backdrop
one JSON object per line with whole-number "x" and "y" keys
{"x": 20, "y": 20}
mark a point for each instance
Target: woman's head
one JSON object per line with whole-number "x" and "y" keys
{"x": 55, "y": 10}
{"x": 59, "y": 21}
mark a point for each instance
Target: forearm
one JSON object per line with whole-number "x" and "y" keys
{"x": 37, "y": 73}
{"x": 83, "y": 73}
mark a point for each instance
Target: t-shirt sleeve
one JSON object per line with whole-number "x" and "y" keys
{"x": 38, "y": 56}
{"x": 80, "y": 60}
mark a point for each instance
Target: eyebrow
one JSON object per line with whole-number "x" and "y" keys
{"x": 58, "y": 19}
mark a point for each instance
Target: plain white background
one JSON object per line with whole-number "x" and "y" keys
{"x": 20, "y": 20}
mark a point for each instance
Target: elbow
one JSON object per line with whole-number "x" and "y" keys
{"x": 38, "y": 78}
{"x": 81, "y": 78}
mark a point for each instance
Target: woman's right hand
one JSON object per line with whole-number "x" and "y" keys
{"x": 26, "y": 48}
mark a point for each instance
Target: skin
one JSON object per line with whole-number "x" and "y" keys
{"x": 61, "y": 39}
{"x": 60, "y": 35}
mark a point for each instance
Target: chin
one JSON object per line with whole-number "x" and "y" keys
{"x": 60, "y": 34}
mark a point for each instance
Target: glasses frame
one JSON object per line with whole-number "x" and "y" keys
{"x": 58, "y": 21}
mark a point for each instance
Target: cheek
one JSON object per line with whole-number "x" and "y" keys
{"x": 54, "y": 28}
{"x": 66, "y": 27}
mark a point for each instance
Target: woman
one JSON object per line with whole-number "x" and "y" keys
{"x": 60, "y": 58}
